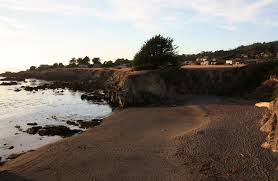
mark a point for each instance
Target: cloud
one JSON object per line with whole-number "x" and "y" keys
{"x": 154, "y": 14}
{"x": 10, "y": 23}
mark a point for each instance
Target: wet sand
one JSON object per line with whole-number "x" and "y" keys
{"x": 207, "y": 139}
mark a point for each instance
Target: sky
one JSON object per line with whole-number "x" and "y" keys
{"x": 34, "y": 32}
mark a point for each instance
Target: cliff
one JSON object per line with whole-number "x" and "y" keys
{"x": 269, "y": 126}
{"x": 125, "y": 87}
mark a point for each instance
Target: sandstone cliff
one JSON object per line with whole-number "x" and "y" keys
{"x": 269, "y": 126}
{"x": 125, "y": 87}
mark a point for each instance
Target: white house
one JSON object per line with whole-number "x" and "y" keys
{"x": 213, "y": 61}
{"x": 229, "y": 62}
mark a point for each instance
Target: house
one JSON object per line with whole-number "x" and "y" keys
{"x": 229, "y": 62}
{"x": 83, "y": 66}
{"x": 203, "y": 61}
{"x": 213, "y": 61}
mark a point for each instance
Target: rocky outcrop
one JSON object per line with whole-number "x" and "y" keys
{"x": 8, "y": 83}
{"x": 269, "y": 126}
{"x": 124, "y": 87}
{"x": 52, "y": 130}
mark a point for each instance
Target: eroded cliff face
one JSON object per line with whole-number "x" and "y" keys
{"x": 269, "y": 126}
{"x": 155, "y": 87}
{"x": 125, "y": 87}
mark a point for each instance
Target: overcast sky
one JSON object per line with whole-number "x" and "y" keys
{"x": 34, "y": 32}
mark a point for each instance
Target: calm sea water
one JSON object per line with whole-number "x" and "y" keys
{"x": 43, "y": 107}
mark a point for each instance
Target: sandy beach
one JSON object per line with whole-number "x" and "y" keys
{"x": 206, "y": 139}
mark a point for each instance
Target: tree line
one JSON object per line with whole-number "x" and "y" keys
{"x": 160, "y": 52}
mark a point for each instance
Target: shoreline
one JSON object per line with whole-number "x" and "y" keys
{"x": 174, "y": 142}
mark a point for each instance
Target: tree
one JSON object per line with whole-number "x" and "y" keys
{"x": 96, "y": 60}
{"x": 122, "y": 61}
{"x": 73, "y": 62}
{"x": 33, "y": 68}
{"x": 86, "y": 60}
{"x": 55, "y": 65}
{"x": 61, "y": 65}
{"x": 79, "y": 61}
{"x": 108, "y": 64}
{"x": 158, "y": 52}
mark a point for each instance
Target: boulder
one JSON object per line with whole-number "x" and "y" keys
{"x": 72, "y": 123}
{"x": 9, "y": 83}
{"x": 89, "y": 124}
{"x": 32, "y": 124}
{"x": 62, "y": 131}
{"x": 33, "y": 130}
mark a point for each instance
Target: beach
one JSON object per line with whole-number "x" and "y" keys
{"x": 208, "y": 138}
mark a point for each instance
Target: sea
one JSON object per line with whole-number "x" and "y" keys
{"x": 47, "y": 107}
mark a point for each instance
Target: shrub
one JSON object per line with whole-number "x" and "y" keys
{"x": 158, "y": 52}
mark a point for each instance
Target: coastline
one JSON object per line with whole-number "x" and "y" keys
{"x": 206, "y": 139}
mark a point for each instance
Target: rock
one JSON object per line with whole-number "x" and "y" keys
{"x": 73, "y": 123}
{"x": 32, "y": 124}
{"x": 95, "y": 96}
{"x": 89, "y": 124}
{"x": 269, "y": 125}
{"x": 14, "y": 156}
{"x": 11, "y": 147}
{"x": 13, "y": 79}
{"x": 9, "y": 83}
{"x": 62, "y": 131}
{"x": 17, "y": 90}
{"x": 33, "y": 130}
{"x": 84, "y": 96}
{"x": 266, "y": 145}
{"x": 19, "y": 128}
{"x": 265, "y": 119}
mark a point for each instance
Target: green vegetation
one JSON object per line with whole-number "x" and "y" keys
{"x": 96, "y": 60}
{"x": 255, "y": 51}
{"x": 157, "y": 52}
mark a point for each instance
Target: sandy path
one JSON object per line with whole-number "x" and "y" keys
{"x": 133, "y": 144}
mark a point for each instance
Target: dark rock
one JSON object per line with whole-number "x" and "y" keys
{"x": 84, "y": 96}
{"x": 13, "y": 79}
{"x": 73, "y": 123}
{"x": 89, "y": 124}
{"x": 95, "y": 96}
{"x": 9, "y": 83}
{"x": 33, "y": 130}
{"x": 17, "y": 90}
{"x": 32, "y": 124}
{"x": 58, "y": 131}
{"x": 14, "y": 156}
{"x": 11, "y": 147}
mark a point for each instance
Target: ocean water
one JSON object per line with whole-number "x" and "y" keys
{"x": 46, "y": 107}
